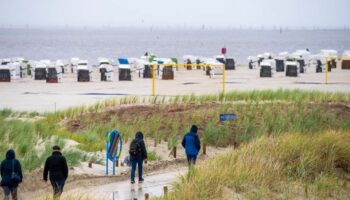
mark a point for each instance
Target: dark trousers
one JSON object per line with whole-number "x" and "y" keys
{"x": 8, "y": 191}
{"x": 191, "y": 159}
{"x": 57, "y": 186}
{"x": 133, "y": 169}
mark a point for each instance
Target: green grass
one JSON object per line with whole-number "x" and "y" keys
{"x": 254, "y": 120}
{"x": 260, "y": 113}
{"x": 280, "y": 167}
{"x": 69, "y": 197}
{"x": 295, "y": 95}
{"x": 152, "y": 156}
{"x": 32, "y": 142}
{"x": 5, "y": 113}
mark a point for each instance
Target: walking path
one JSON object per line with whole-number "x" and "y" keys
{"x": 123, "y": 190}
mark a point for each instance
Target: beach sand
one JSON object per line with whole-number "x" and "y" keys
{"x": 30, "y": 95}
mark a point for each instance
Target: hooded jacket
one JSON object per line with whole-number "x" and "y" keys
{"x": 142, "y": 153}
{"x": 57, "y": 166}
{"x": 9, "y": 165}
{"x": 191, "y": 142}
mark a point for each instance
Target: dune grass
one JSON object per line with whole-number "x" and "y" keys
{"x": 254, "y": 120}
{"x": 295, "y": 95}
{"x": 288, "y": 166}
{"x": 259, "y": 113}
{"x": 32, "y": 142}
{"x": 153, "y": 156}
{"x": 70, "y": 197}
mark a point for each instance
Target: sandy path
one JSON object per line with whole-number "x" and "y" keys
{"x": 123, "y": 190}
{"x": 93, "y": 182}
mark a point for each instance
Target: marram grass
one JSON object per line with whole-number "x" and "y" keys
{"x": 287, "y": 95}
{"x": 284, "y": 167}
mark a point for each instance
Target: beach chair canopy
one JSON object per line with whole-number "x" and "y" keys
{"x": 123, "y": 61}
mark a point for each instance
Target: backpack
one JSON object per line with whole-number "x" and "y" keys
{"x": 134, "y": 148}
{"x": 15, "y": 178}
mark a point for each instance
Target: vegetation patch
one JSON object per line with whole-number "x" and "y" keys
{"x": 274, "y": 167}
{"x": 171, "y": 122}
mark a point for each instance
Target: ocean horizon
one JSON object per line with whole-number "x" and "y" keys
{"x": 90, "y": 43}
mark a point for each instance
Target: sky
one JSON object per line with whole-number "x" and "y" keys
{"x": 176, "y": 13}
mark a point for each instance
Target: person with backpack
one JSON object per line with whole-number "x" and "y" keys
{"x": 56, "y": 166}
{"x": 192, "y": 145}
{"x": 138, "y": 154}
{"x": 11, "y": 174}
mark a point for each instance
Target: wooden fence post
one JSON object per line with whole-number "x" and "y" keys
{"x": 165, "y": 190}
{"x": 174, "y": 152}
{"x": 146, "y": 196}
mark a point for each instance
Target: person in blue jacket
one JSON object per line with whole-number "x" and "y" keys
{"x": 11, "y": 174}
{"x": 192, "y": 145}
{"x": 138, "y": 155}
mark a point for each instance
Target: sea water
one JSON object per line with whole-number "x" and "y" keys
{"x": 89, "y": 44}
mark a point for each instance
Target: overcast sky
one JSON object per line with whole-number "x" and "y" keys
{"x": 176, "y": 13}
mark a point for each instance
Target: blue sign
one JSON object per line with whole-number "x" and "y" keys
{"x": 228, "y": 117}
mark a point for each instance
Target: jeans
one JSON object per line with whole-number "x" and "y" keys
{"x": 191, "y": 159}
{"x": 57, "y": 186}
{"x": 8, "y": 191}
{"x": 133, "y": 169}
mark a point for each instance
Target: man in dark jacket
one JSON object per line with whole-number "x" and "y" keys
{"x": 56, "y": 165}
{"x": 11, "y": 174}
{"x": 138, "y": 154}
{"x": 192, "y": 145}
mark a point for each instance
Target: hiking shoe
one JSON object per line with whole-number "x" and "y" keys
{"x": 132, "y": 182}
{"x": 141, "y": 180}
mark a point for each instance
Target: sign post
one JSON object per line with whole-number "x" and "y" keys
{"x": 228, "y": 117}
{"x": 326, "y": 79}
{"x": 223, "y": 52}
{"x": 153, "y": 79}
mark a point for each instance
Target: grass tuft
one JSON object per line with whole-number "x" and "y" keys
{"x": 294, "y": 165}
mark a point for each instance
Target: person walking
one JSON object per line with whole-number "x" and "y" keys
{"x": 56, "y": 166}
{"x": 11, "y": 175}
{"x": 192, "y": 145}
{"x": 138, "y": 154}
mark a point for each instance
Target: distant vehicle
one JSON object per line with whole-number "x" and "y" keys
{"x": 106, "y": 69}
{"x": 346, "y": 60}
{"x": 84, "y": 71}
